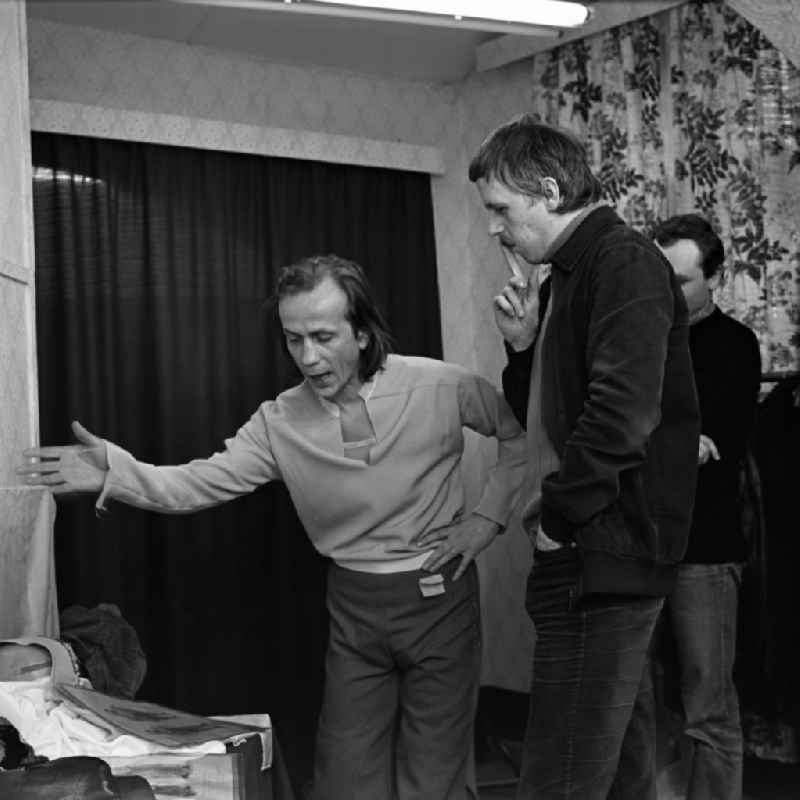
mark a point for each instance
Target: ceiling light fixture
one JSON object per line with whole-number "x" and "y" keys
{"x": 556, "y": 13}
{"x": 525, "y": 17}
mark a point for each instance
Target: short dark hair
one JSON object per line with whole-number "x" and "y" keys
{"x": 699, "y": 230}
{"x": 523, "y": 151}
{"x": 363, "y": 313}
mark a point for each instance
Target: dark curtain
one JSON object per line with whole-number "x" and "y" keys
{"x": 153, "y": 264}
{"x": 773, "y": 691}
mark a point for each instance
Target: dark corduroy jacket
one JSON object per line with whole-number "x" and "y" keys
{"x": 620, "y": 408}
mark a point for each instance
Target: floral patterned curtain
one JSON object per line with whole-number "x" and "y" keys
{"x": 694, "y": 110}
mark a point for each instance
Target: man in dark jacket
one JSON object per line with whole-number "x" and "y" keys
{"x": 702, "y": 608}
{"x": 599, "y": 372}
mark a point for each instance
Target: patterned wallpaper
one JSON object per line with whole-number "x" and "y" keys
{"x": 84, "y": 81}
{"x": 18, "y": 421}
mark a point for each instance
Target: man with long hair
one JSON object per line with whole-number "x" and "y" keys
{"x": 369, "y": 445}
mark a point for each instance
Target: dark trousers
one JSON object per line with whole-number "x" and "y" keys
{"x": 401, "y": 687}
{"x": 702, "y": 610}
{"x": 591, "y": 725}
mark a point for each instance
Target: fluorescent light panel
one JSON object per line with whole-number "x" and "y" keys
{"x": 558, "y": 13}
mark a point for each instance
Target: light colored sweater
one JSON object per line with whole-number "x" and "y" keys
{"x": 543, "y": 457}
{"x": 354, "y": 512}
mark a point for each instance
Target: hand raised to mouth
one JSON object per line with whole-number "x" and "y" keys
{"x": 516, "y": 308}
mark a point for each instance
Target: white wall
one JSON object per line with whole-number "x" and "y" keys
{"x": 18, "y": 404}
{"x": 470, "y": 263}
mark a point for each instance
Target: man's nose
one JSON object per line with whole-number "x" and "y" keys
{"x": 495, "y": 226}
{"x": 309, "y": 355}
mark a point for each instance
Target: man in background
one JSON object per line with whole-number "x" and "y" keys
{"x": 702, "y": 608}
{"x": 599, "y": 373}
{"x": 369, "y": 445}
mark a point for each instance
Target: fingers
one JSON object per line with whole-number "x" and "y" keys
{"x": 512, "y": 263}
{"x": 41, "y": 468}
{"x": 447, "y": 551}
{"x": 44, "y": 453}
{"x": 431, "y": 537}
{"x": 438, "y": 557}
{"x": 46, "y": 479}
{"x": 84, "y": 436}
{"x": 444, "y": 555}
{"x": 431, "y": 562}
{"x": 466, "y": 560}
{"x": 513, "y": 300}
{"x": 503, "y": 305}
{"x": 41, "y": 474}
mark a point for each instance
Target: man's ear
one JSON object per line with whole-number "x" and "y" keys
{"x": 551, "y": 193}
{"x": 362, "y": 339}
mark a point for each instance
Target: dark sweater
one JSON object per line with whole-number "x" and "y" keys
{"x": 727, "y": 372}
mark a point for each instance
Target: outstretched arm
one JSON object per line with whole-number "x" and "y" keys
{"x": 68, "y": 469}
{"x": 98, "y": 466}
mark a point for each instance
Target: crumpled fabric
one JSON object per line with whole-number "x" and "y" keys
{"x": 107, "y": 648}
{"x": 54, "y": 729}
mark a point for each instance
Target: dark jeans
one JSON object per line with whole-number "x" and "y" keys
{"x": 401, "y": 688}
{"x": 702, "y": 611}
{"x": 591, "y": 726}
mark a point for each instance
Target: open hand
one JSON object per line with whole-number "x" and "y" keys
{"x": 68, "y": 469}
{"x": 465, "y": 538}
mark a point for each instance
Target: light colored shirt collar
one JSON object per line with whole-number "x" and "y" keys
{"x": 365, "y": 392}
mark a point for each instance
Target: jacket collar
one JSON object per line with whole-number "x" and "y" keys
{"x": 585, "y": 233}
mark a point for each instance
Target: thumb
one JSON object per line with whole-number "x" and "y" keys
{"x": 84, "y": 436}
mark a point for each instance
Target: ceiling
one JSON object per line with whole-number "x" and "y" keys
{"x": 400, "y": 50}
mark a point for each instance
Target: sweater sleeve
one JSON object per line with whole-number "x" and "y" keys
{"x": 246, "y": 463}
{"x": 484, "y": 410}
{"x": 517, "y": 381}
{"x": 728, "y": 407}
{"x": 631, "y": 315}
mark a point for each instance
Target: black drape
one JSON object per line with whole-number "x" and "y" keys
{"x": 152, "y": 267}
